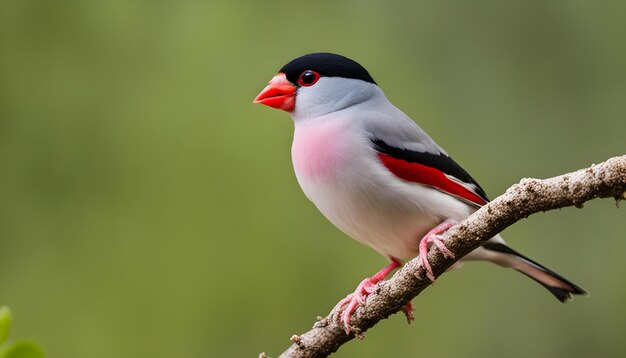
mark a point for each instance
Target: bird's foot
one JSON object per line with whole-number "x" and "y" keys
{"x": 433, "y": 238}
{"x": 359, "y": 296}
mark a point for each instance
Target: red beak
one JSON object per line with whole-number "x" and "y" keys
{"x": 279, "y": 93}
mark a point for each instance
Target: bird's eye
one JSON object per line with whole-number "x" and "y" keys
{"x": 308, "y": 78}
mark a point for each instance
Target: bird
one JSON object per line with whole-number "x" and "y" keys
{"x": 377, "y": 176}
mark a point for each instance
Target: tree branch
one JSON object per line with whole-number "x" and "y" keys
{"x": 529, "y": 196}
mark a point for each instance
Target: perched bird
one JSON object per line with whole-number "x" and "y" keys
{"x": 376, "y": 175}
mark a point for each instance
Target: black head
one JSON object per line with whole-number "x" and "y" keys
{"x": 327, "y": 65}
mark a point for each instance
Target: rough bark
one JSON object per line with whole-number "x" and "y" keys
{"x": 529, "y": 196}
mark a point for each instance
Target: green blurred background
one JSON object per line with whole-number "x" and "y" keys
{"x": 149, "y": 209}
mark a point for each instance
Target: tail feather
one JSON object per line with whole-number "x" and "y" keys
{"x": 559, "y": 286}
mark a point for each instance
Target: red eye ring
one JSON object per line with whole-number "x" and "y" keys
{"x": 308, "y": 78}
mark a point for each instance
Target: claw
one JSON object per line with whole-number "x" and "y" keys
{"x": 433, "y": 237}
{"x": 359, "y": 296}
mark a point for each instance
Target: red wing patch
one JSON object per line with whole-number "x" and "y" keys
{"x": 423, "y": 174}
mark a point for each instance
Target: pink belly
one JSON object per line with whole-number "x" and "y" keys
{"x": 318, "y": 148}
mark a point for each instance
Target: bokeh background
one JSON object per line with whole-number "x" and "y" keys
{"x": 149, "y": 209}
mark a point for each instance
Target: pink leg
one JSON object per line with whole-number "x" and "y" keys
{"x": 367, "y": 286}
{"x": 432, "y": 237}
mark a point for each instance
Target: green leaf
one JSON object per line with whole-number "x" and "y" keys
{"x": 23, "y": 349}
{"x": 5, "y": 323}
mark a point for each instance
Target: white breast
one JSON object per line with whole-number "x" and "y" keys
{"x": 341, "y": 174}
